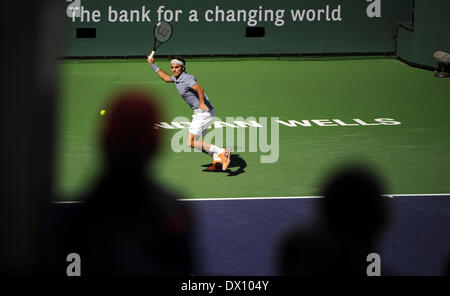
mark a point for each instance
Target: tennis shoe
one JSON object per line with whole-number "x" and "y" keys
{"x": 213, "y": 167}
{"x": 225, "y": 159}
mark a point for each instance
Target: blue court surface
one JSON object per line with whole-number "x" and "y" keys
{"x": 241, "y": 237}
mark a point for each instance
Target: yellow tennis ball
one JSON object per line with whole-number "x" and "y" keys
{"x": 102, "y": 112}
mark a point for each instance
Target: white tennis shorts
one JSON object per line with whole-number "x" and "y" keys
{"x": 201, "y": 121}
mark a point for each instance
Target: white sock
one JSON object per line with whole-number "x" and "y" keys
{"x": 214, "y": 149}
{"x": 216, "y": 157}
{"x": 211, "y": 151}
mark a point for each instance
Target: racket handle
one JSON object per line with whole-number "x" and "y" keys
{"x": 151, "y": 55}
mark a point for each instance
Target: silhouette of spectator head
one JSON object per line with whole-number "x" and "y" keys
{"x": 129, "y": 224}
{"x": 353, "y": 214}
{"x": 129, "y": 135}
{"x": 353, "y": 205}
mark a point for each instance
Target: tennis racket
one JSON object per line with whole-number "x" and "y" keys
{"x": 162, "y": 33}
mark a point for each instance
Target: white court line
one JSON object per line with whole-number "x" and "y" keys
{"x": 425, "y": 194}
{"x": 249, "y": 198}
{"x": 302, "y": 197}
{"x": 278, "y": 197}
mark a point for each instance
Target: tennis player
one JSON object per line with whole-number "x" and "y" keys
{"x": 194, "y": 95}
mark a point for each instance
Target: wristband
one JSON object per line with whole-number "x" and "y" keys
{"x": 155, "y": 67}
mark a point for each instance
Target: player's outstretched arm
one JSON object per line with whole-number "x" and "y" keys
{"x": 201, "y": 96}
{"x": 163, "y": 75}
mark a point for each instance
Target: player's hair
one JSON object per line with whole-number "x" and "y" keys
{"x": 180, "y": 58}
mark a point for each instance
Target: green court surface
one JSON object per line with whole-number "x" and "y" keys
{"x": 412, "y": 157}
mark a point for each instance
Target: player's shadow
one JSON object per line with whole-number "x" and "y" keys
{"x": 235, "y": 162}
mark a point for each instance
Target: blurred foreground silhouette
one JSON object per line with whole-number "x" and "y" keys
{"x": 353, "y": 215}
{"x": 128, "y": 225}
